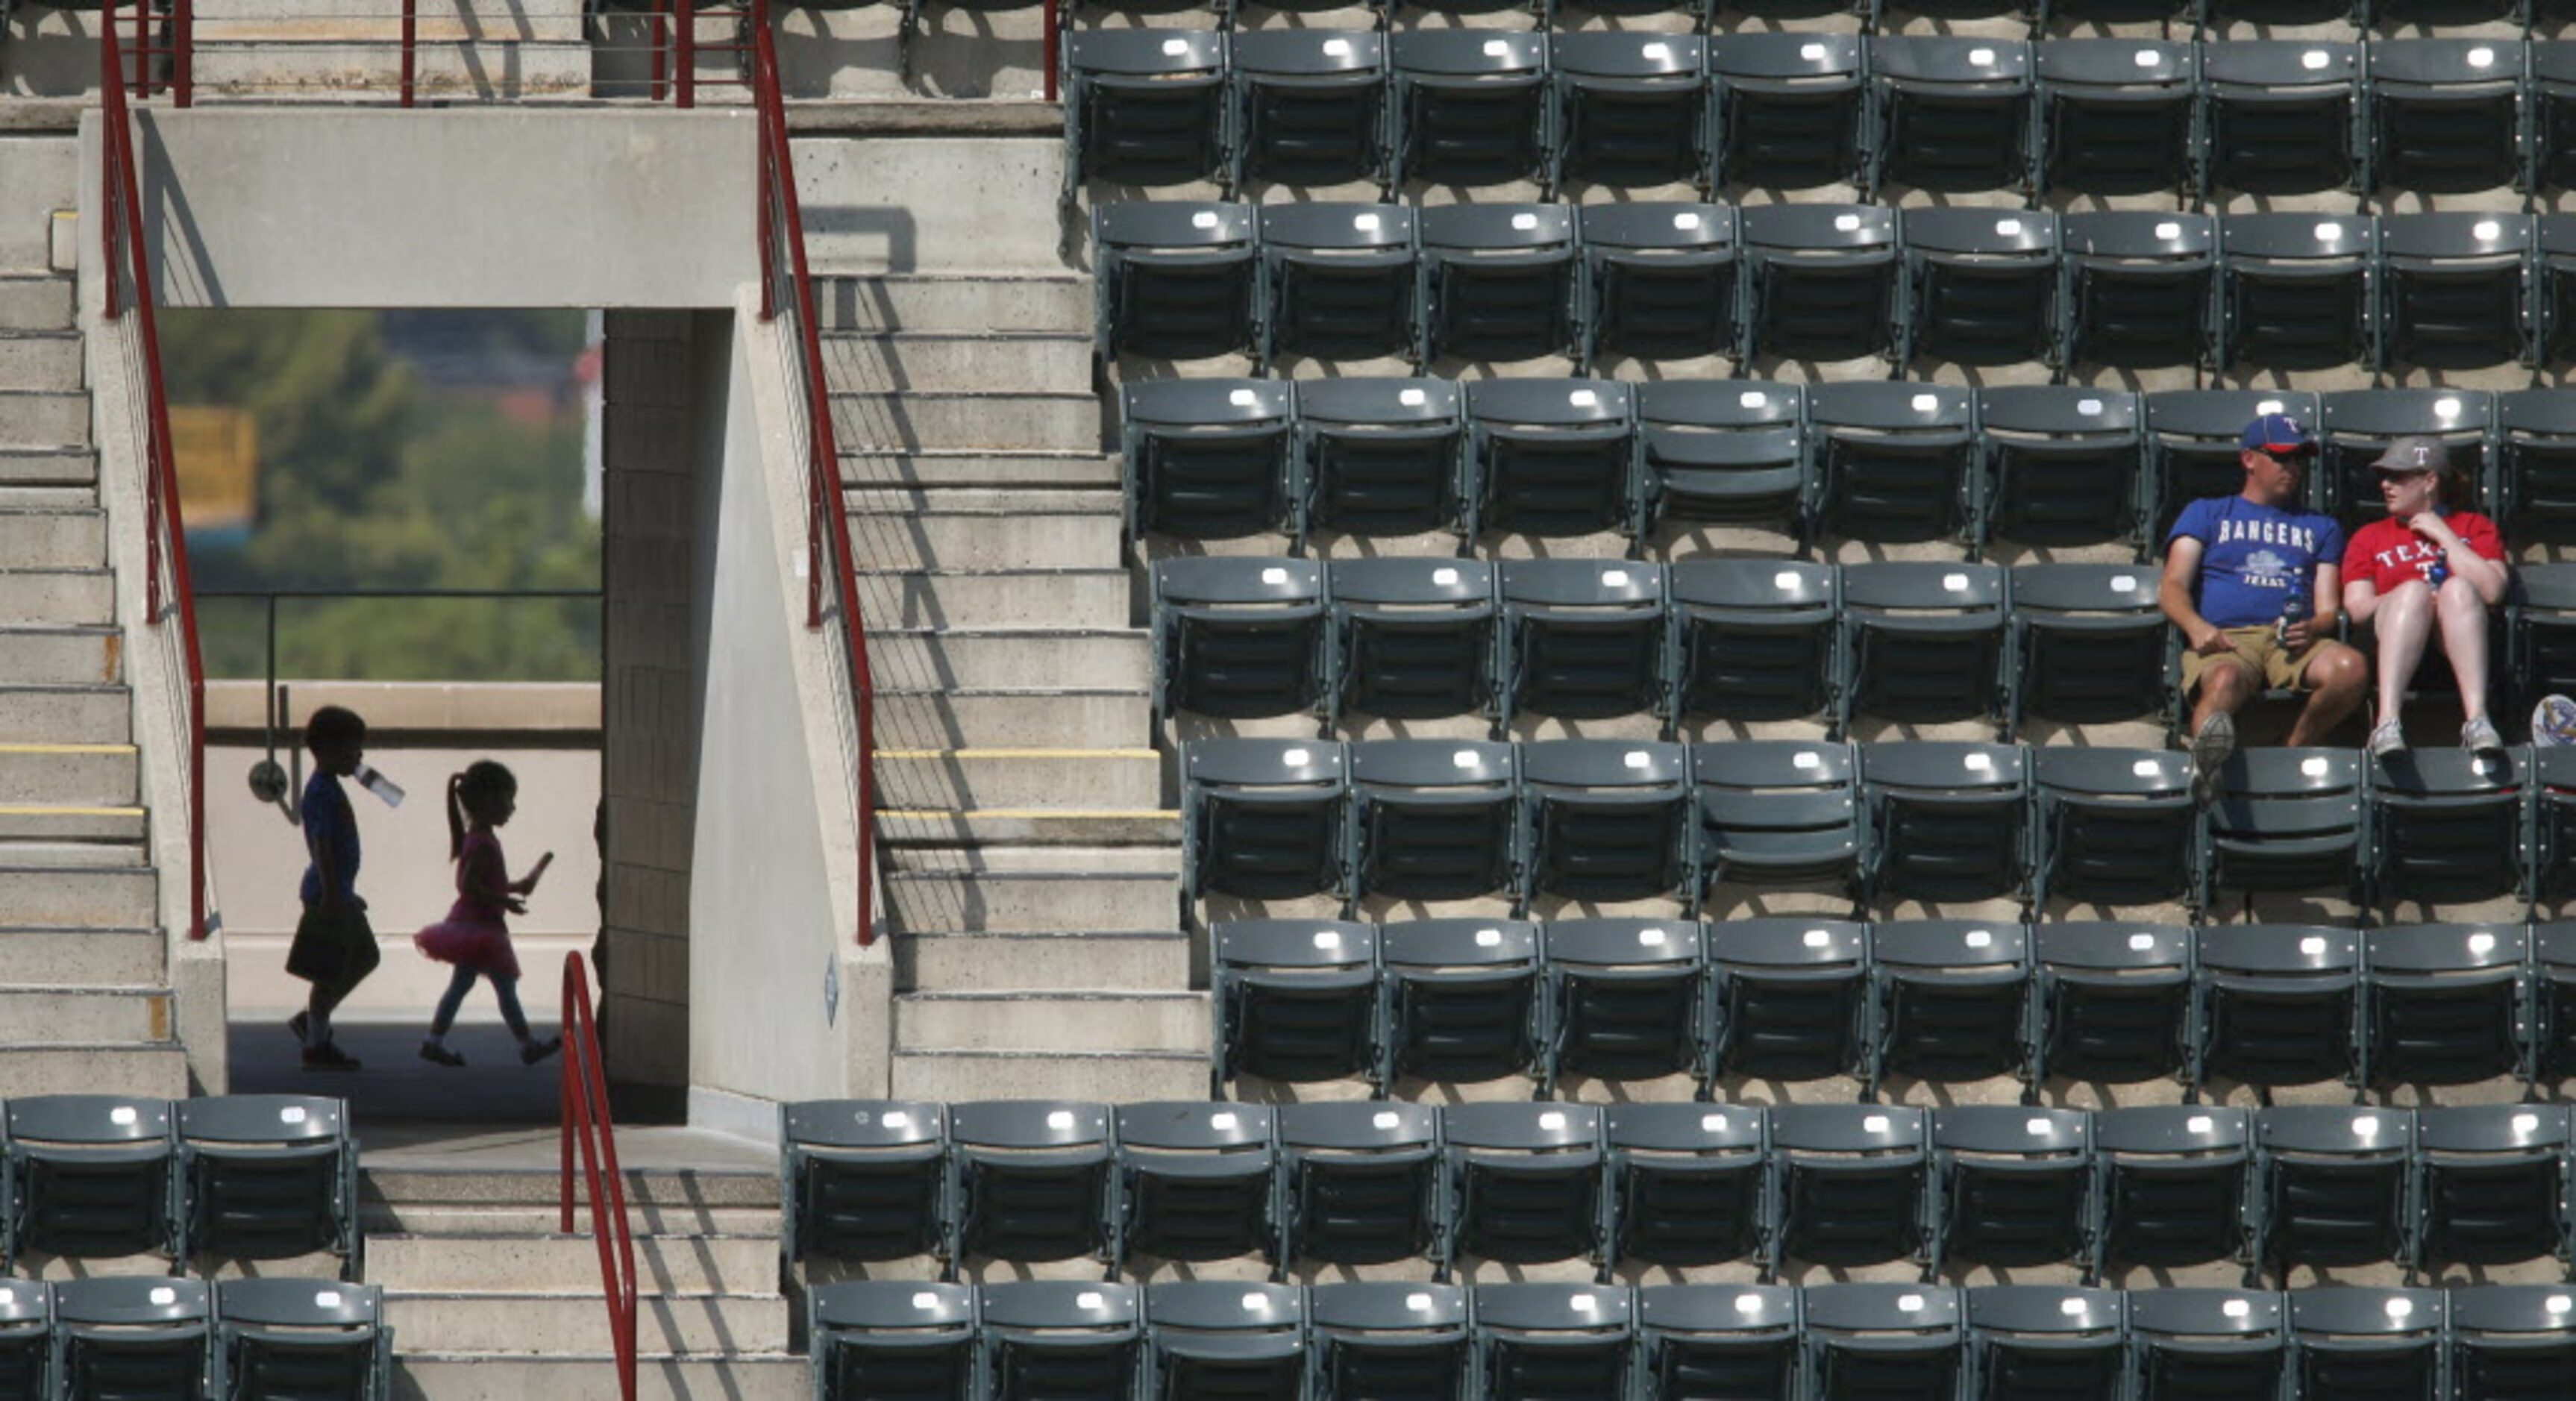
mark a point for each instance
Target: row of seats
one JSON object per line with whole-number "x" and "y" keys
{"x": 1679, "y": 1185}
{"x": 1801, "y": 1000}
{"x": 2047, "y": 466}
{"x": 1612, "y": 820}
{"x": 1686, "y": 1342}
{"x": 2044, "y": 16}
{"x": 1480, "y": 108}
{"x": 125, "y": 1338}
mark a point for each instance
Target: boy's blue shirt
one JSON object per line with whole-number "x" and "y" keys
{"x": 330, "y": 829}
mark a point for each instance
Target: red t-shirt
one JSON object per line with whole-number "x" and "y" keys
{"x": 2388, "y": 554}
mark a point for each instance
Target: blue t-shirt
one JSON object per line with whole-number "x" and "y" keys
{"x": 2253, "y": 555}
{"x": 330, "y": 829}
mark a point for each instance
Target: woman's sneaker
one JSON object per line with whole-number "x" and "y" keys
{"x": 2479, "y": 737}
{"x": 530, "y": 1052}
{"x": 2388, "y": 737}
{"x": 437, "y": 1054}
{"x": 328, "y": 1056}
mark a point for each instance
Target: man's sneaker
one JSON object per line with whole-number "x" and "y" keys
{"x": 2479, "y": 737}
{"x": 437, "y": 1054}
{"x": 2386, "y": 738}
{"x": 2210, "y": 750}
{"x": 533, "y": 1051}
{"x": 328, "y": 1057}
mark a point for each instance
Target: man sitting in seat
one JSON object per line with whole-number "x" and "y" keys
{"x": 2425, "y": 564}
{"x": 2232, "y": 563}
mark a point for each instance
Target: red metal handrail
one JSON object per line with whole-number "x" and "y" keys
{"x": 164, "y": 533}
{"x": 586, "y": 1120}
{"x": 827, "y": 526}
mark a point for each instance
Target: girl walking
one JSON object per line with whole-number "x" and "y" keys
{"x": 473, "y": 936}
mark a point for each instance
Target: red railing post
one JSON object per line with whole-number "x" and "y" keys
{"x": 410, "y": 49}
{"x": 686, "y": 58}
{"x": 586, "y": 1122}
{"x": 1054, "y": 37}
{"x": 183, "y": 52}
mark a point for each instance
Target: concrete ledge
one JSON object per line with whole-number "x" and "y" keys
{"x": 925, "y": 117}
{"x": 554, "y": 708}
{"x": 56, "y": 114}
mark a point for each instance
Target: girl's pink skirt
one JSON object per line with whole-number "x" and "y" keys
{"x": 467, "y": 943}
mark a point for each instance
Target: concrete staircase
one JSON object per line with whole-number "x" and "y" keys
{"x": 1032, "y": 880}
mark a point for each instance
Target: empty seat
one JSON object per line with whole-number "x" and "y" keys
{"x": 1951, "y": 999}
{"x": 1953, "y": 113}
{"x": 2063, "y": 464}
{"x": 133, "y": 1336}
{"x": 1310, "y": 105}
{"x": 1414, "y": 638}
{"x": 304, "y": 1337}
{"x": 1947, "y": 819}
{"x": 867, "y": 1179}
{"x": 1660, "y": 280}
{"x": 2140, "y": 289}
{"x": 2114, "y": 1001}
{"x": 2282, "y": 116}
{"x": 2089, "y": 644}
{"x": 2554, "y": 993}
{"x": 1788, "y": 109}
{"x": 2454, "y": 290}
{"x": 1606, "y": 819}
{"x": 91, "y": 1175}
{"x": 2487, "y": 1184}
{"x": 2016, "y": 1187}
{"x": 2446, "y": 825}
{"x": 1628, "y": 999}
{"x": 1882, "y": 1342}
{"x": 1497, "y": 282}
{"x": 2286, "y": 820}
{"x": 1225, "y": 1340}
{"x": 1538, "y": 1342}
{"x": 1463, "y": 998}
{"x": 1195, "y": 1181}
{"x": 1034, "y": 1179}
{"x": 2445, "y": 114}
{"x": 2553, "y": 114}
{"x": 1175, "y": 278}
{"x": 1981, "y": 286}
{"x": 2173, "y": 1187}
{"x": 1724, "y": 451}
{"x": 1687, "y": 1187}
{"x": 1382, "y": 457}
{"x": 2335, "y": 1182}
{"x": 1923, "y": 642}
{"x": 2511, "y": 1342}
{"x": 1144, "y": 107}
{"x": 2206, "y": 1343}
{"x": 1045, "y": 1338}
{"x": 1239, "y": 637}
{"x": 2115, "y": 115}
{"x": 1387, "y": 1339}
{"x": 270, "y": 1177}
{"x": 1263, "y": 818}
{"x": 2553, "y": 290}
{"x": 2297, "y": 290}
{"x": 1524, "y": 1181}
{"x": 1434, "y": 819}
{"x": 1471, "y": 107}
{"x": 1714, "y": 1340}
{"x": 1853, "y": 1185}
{"x": 1895, "y": 463}
{"x": 2279, "y": 1004}
{"x": 2376, "y": 1343}
{"x": 2047, "y": 1340}
{"x": 2536, "y": 468}
{"x": 1823, "y": 280}
{"x": 1777, "y": 813}
{"x": 1631, "y": 108}
{"x": 1339, "y": 282}
{"x": 1582, "y": 639}
{"x": 2115, "y": 826}
{"x": 1551, "y": 457}
{"x": 1359, "y": 1181}
{"x": 26, "y": 1339}
{"x": 1757, "y": 639}
{"x": 1294, "y": 999}
{"x": 2358, "y": 425}
{"x": 2446, "y": 1003}
{"x": 1207, "y": 459}
{"x": 1792, "y": 997}
{"x": 2553, "y": 801}
{"x": 2195, "y": 446}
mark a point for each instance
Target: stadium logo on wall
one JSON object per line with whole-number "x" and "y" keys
{"x": 2553, "y": 722}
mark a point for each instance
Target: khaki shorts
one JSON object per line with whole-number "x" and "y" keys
{"x": 2259, "y": 651}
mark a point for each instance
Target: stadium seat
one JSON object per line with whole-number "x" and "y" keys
{"x": 1144, "y": 107}
{"x": 323, "y": 1339}
{"x": 2553, "y": 292}
{"x": 2511, "y": 1340}
{"x": 1924, "y": 642}
{"x": 2367, "y": 1342}
{"x": 2435, "y": 14}
{"x": 1225, "y": 1339}
{"x": 2488, "y": 1184}
{"x": 2116, "y": 115}
{"x": 2535, "y": 497}
{"x": 1207, "y": 459}
{"x": 2554, "y": 993}
{"x": 1631, "y": 109}
{"x": 26, "y": 1339}
{"x": 2335, "y": 1182}
{"x": 2448, "y": 1003}
{"x": 1523, "y": 1182}
{"x": 1359, "y": 1182}
{"x": 1464, "y": 999}
{"x": 1582, "y": 638}
{"x": 1195, "y": 1181}
{"x": 2297, "y": 292}
{"x": 2063, "y": 464}
{"x": 1660, "y": 280}
{"x": 1883, "y": 1342}
{"x": 1044, "y": 1338}
{"x": 1551, "y": 457}
{"x": 886, "y": 1337}
{"x": 2016, "y": 1188}
{"x": 1895, "y": 463}
{"x": 1789, "y": 110}
{"x": 1854, "y": 1185}
{"x": 1731, "y": 451}
{"x": 1239, "y": 637}
{"x": 1470, "y": 108}
{"x": 1822, "y": 280}
{"x": 1310, "y": 106}
{"x": 2173, "y": 1191}
{"x": 2114, "y": 1001}
{"x": 1539, "y": 1342}
{"x": 133, "y": 1336}
{"x": 1627, "y": 999}
{"x": 2553, "y": 114}
{"x": 2141, "y": 289}
{"x": 1382, "y": 457}
{"x": 1952, "y": 113}
{"x": 2448, "y": 826}
{"x": 2206, "y": 1343}
{"x": 1414, "y": 638}
{"x": 1175, "y": 278}
{"x": 2113, "y": 826}
{"x": 2194, "y": 439}
{"x": 92, "y": 1175}
{"x": 2286, "y": 820}
{"x": 1687, "y": 1183}
{"x": 1952, "y": 1000}
{"x": 2283, "y": 116}
{"x": 2553, "y": 803}
{"x": 1295, "y": 1000}
{"x": 1792, "y": 997}
{"x": 2279, "y": 1005}
{"x": 1947, "y": 820}
{"x": 1755, "y": 639}
{"x": 2445, "y": 114}
{"x": 1777, "y": 813}
{"x": 269, "y": 1177}
{"x": 1498, "y": 282}
{"x": 1434, "y": 819}
{"x": 2089, "y": 644}
{"x": 2357, "y": 425}
{"x": 2455, "y": 290}
{"x": 2047, "y": 1340}
{"x": 1033, "y": 1181}
{"x": 1372, "y": 1339}
{"x": 1980, "y": 286}
{"x": 1717, "y": 1340}
{"x": 1605, "y": 819}
{"x": 866, "y": 1179}
{"x": 1339, "y": 282}
{"x": 1263, "y": 818}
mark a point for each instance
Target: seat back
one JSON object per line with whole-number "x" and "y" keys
{"x": 1823, "y": 280}
{"x": 1339, "y": 281}
{"x": 2207, "y": 1342}
{"x": 893, "y": 1337}
{"x": 2062, "y": 464}
{"x": 1145, "y": 109}
{"x": 2296, "y": 290}
{"x": 2110, "y": 823}
{"x": 2287, "y": 819}
{"x": 1382, "y": 456}
{"x": 1552, "y": 457}
{"x": 1953, "y": 112}
{"x": 92, "y": 1175}
{"x": 1951, "y": 999}
{"x": 1924, "y": 641}
{"x": 1544, "y": 1339}
{"x": 1295, "y": 999}
{"x": 1687, "y": 1182}
{"x": 1240, "y": 638}
{"x": 2455, "y": 289}
{"x": 1414, "y": 638}
{"x": 122, "y": 1336}
{"x": 2114, "y": 1000}
{"x": 1792, "y": 997}
{"x": 2446, "y": 1002}
{"x": 2015, "y": 1185}
{"x": 2282, "y": 116}
{"x": 1627, "y": 998}
{"x": 1033, "y": 1180}
{"x": 1360, "y": 1182}
{"x": 1631, "y": 109}
{"x": 2173, "y": 1188}
{"x": 269, "y": 1176}
{"x": 1225, "y": 1339}
{"x": 1583, "y": 638}
{"x": 2445, "y": 114}
{"x": 1660, "y": 278}
{"x": 1207, "y": 459}
{"x": 1789, "y": 107}
{"x": 1724, "y": 451}
{"x": 1755, "y": 639}
{"x": 1175, "y": 278}
{"x": 1884, "y": 1340}
{"x": 1777, "y": 812}
{"x": 865, "y": 1179}
{"x": 1524, "y": 1181}
{"x": 2447, "y": 825}
{"x": 303, "y": 1337}
{"x": 2115, "y": 115}
{"x": 1311, "y": 103}
{"x": 1434, "y": 819}
{"x": 1464, "y": 998}
{"x": 1895, "y": 463}
{"x": 2043, "y": 1339}
{"x": 1387, "y": 1339}
{"x": 2143, "y": 289}
{"x": 2279, "y": 1004}
{"x": 2386, "y": 1340}
{"x": 2511, "y": 1339}
{"x": 1853, "y": 1185}
{"x": 1498, "y": 281}
{"x": 2486, "y": 1183}
{"x": 1607, "y": 819}
{"x": 1947, "y": 819}
{"x": 1195, "y": 1181}
{"x": 1471, "y": 108}
{"x": 1718, "y": 1339}
{"x": 2535, "y": 457}
{"x": 1052, "y": 1337}
{"x": 2335, "y": 1184}
{"x": 1263, "y": 818}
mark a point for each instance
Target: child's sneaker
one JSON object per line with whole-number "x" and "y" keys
{"x": 2479, "y": 737}
{"x": 300, "y": 1024}
{"x": 530, "y": 1052}
{"x": 328, "y": 1057}
{"x": 2387, "y": 738}
{"x": 437, "y": 1054}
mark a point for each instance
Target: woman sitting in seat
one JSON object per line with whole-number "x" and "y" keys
{"x": 2427, "y": 572}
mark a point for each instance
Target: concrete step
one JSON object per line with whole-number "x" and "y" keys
{"x": 34, "y": 301}
{"x": 1052, "y": 1021}
{"x": 984, "y": 598}
{"x": 1039, "y": 902}
{"x": 1120, "y": 857}
{"x": 995, "y": 208}
{"x": 395, "y": 1219}
{"x": 273, "y": 68}
{"x": 48, "y": 466}
{"x": 1002, "y": 962}
{"x": 1011, "y": 719}
{"x": 778, "y": 1376}
{"x": 959, "y": 419}
{"x": 80, "y": 1016}
{"x": 57, "y": 596}
{"x": 53, "y": 539}
{"x": 61, "y": 656}
{"x": 157, "y": 1071}
{"x": 998, "y": 301}
{"x": 43, "y": 418}
{"x": 692, "y": 1264}
{"x": 1130, "y": 1078}
{"x": 682, "y": 1195}
{"x": 967, "y": 468}
{"x": 59, "y": 897}
{"x": 1019, "y": 778}
{"x": 40, "y": 360}
{"x": 526, "y": 1323}
{"x": 65, "y": 715}
{"x": 1026, "y": 829}
{"x": 1056, "y": 362}
{"x": 81, "y": 956}
{"x": 853, "y": 54}
{"x": 979, "y": 658}
{"x": 1046, "y": 535}
{"x": 89, "y": 775}
{"x": 38, "y": 834}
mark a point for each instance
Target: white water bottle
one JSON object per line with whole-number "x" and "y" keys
{"x": 381, "y": 786}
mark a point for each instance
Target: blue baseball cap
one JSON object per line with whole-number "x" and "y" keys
{"x": 2277, "y": 434}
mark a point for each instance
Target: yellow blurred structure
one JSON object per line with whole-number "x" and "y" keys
{"x": 217, "y": 453}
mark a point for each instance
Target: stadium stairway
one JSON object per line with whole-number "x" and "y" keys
{"x": 85, "y": 1001}
{"x": 480, "y": 50}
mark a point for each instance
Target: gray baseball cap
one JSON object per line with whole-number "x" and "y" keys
{"x": 2415, "y": 453}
